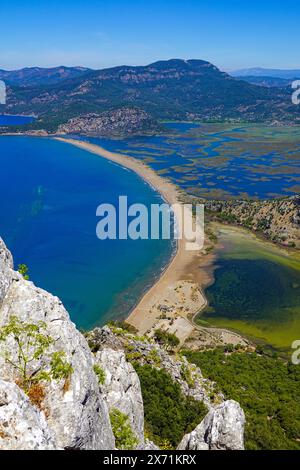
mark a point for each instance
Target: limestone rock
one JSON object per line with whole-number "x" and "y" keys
{"x": 22, "y": 426}
{"x": 100, "y": 338}
{"x": 221, "y": 429}
{"x": 76, "y": 411}
{"x": 6, "y": 270}
{"x": 116, "y": 122}
{"x": 122, "y": 389}
{"x": 147, "y": 445}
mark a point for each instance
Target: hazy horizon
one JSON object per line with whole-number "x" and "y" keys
{"x": 145, "y": 64}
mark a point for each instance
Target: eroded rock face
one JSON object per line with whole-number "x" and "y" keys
{"x": 76, "y": 412}
{"x": 116, "y": 122}
{"x": 122, "y": 388}
{"x": 221, "y": 429}
{"x": 6, "y": 270}
{"x": 22, "y": 426}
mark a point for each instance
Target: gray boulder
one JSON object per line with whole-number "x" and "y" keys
{"x": 122, "y": 389}
{"x": 22, "y": 426}
{"x": 221, "y": 429}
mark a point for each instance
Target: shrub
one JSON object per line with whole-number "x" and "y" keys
{"x": 168, "y": 413}
{"x": 32, "y": 343}
{"x": 23, "y": 269}
{"x": 186, "y": 375}
{"x": 123, "y": 325}
{"x": 125, "y": 437}
{"x": 169, "y": 340}
{"x": 100, "y": 374}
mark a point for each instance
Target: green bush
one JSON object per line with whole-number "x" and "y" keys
{"x": 100, "y": 374}
{"x": 23, "y": 269}
{"x": 166, "y": 339}
{"x": 268, "y": 390}
{"x": 123, "y": 325}
{"x": 32, "y": 343}
{"x": 168, "y": 413}
{"x": 125, "y": 437}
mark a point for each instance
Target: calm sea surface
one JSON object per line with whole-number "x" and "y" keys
{"x": 49, "y": 192}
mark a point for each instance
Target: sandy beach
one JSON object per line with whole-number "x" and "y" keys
{"x": 179, "y": 289}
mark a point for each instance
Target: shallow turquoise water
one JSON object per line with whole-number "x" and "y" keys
{"x": 49, "y": 192}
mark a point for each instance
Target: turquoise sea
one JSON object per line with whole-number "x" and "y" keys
{"x": 49, "y": 193}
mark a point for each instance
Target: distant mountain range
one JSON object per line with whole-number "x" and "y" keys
{"x": 267, "y": 81}
{"x": 262, "y": 72}
{"x": 33, "y": 76}
{"x": 174, "y": 89}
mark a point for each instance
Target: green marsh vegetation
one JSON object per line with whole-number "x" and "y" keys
{"x": 238, "y": 160}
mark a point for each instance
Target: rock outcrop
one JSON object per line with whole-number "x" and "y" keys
{"x": 117, "y": 122}
{"x": 22, "y": 426}
{"x": 221, "y": 429}
{"x": 76, "y": 412}
{"x": 122, "y": 389}
{"x": 188, "y": 376}
{"x": 6, "y": 271}
{"x": 277, "y": 219}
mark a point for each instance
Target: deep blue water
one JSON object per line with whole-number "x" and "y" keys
{"x": 49, "y": 192}
{"x": 6, "y": 120}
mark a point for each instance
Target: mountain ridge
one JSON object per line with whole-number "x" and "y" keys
{"x": 33, "y": 76}
{"x": 175, "y": 89}
{"x": 266, "y": 72}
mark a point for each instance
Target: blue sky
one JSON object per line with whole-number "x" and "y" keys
{"x": 232, "y": 34}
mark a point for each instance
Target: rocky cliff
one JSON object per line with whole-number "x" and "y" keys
{"x": 117, "y": 122}
{"x": 58, "y": 389}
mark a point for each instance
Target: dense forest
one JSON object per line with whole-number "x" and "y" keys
{"x": 268, "y": 390}
{"x": 169, "y": 415}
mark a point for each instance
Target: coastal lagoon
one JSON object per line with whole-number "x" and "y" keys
{"x": 220, "y": 160}
{"x": 256, "y": 289}
{"x": 49, "y": 193}
{"x": 9, "y": 120}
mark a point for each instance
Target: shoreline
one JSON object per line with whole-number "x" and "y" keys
{"x": 177, "y": 295}
{"x": 182, "y": 271}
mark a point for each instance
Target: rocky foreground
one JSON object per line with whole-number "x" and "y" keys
{"x": 73, "y": 411}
